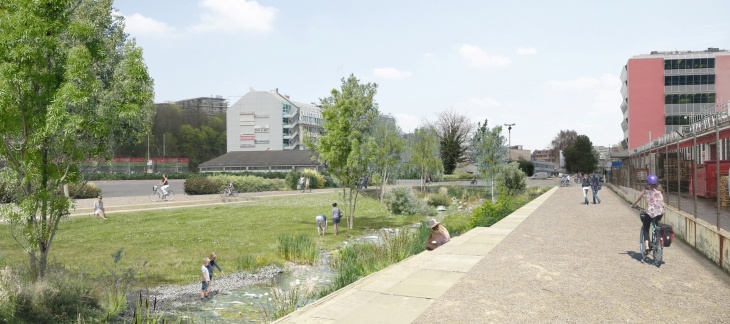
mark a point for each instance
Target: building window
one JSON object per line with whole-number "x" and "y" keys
{"x": 689, "y": 98}
{"x": 681, "y": 64}
{"x": 700, "y": 79}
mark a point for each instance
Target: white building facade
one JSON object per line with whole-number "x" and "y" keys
{"x": 268, "y": 120}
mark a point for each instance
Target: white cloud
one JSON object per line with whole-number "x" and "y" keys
{"x": 526, "y": 51}
{"x": 478, "y": 58}
{"x": 136, "y": 25}
{"x": 233, "y": 15}
{"x": 391, "y": 73}
{"x": 428, "y": 55}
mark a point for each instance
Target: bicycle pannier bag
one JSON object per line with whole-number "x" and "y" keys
{"x": 667, "y": 234}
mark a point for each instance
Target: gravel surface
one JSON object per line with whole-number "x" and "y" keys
{"x": 169, "y": 297}
{"x": 569, "y": 262}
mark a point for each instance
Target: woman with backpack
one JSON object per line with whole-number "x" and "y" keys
{"x": 336, "y": 216}
{"x": 654, "y": 206}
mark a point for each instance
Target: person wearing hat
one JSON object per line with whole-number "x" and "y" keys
{"x": 439, "y": 235}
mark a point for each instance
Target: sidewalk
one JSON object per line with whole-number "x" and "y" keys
{"x": 554, "y": 259}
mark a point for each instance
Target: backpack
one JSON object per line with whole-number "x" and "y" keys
{"x": 339, "y": 213}
{"x": 667, "y": 233}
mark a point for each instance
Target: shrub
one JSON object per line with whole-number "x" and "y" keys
{"x": 489, "y": 213}
{"x": 459, "y": 175}
{"x": 316, "y": 179}
{"x": 5, "y": 194}
{"x": 402, "y": 201}
{"x": 200, "y": 185}
{"x": 511, "y": 180}
{"x": 83, "y": 190}
{"x": 439, "y": 199}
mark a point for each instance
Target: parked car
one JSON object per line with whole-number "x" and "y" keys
{"x": 540, "y": 175}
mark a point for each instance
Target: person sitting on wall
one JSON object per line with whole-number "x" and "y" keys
{"x": 439, "y": 235}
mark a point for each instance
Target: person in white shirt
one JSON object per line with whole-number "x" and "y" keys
{"x": 99, "y": 208}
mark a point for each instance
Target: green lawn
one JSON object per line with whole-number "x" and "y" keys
{"x": 173, "y": 242}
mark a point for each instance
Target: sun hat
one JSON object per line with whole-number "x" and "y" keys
{"x": 432, "y": 223}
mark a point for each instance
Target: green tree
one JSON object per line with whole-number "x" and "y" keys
{"x": 490, "y": 152}
{"x": 453, "y": 130}
{"x": 425, "y": 153}
{"x": 564, "y": 139}
{"x": 71, "y": 84}
{"x": 526, "y": 166}
{"x": 348, "y": 115}
{"x": 581, "y": 157}
{"x": 385, "y": 145}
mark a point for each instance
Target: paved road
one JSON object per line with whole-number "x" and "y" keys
{"x": 132, "y": 188}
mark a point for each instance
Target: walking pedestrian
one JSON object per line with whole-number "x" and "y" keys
{"x": 336, "y": 217}
{"x": 306, "y": 185}
{"x": 586, "y": 186}
{"x": 595, "y": 186}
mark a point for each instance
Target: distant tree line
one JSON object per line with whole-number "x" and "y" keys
{"x": 181, "y": 133}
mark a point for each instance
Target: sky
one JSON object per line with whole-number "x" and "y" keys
{"x": 544, "y": 66}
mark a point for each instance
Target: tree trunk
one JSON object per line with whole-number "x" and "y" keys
{"x": 383, "y": 182}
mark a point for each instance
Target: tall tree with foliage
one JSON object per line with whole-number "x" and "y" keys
{"x": 564, "y": 139}
{"x": 385, "y": 146}
{"x": 71, "y": 83}
{"x": 453, "y": 130}
{"x": 490, "y": 152}
{"x": 526, "y": 166}
{"x": 581, "y": 157}
{"x": 424, "y": 155}
{"x": 348, "y": 116}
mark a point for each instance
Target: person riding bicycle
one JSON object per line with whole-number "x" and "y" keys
{"x": 654, "y": 206}
{"x": 229, "y": 188}
{"x": 164, "y": 185}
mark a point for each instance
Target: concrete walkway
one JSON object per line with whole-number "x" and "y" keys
{"x": 554, "y": 260}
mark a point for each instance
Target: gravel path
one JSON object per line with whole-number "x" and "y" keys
{"x": 569, "y": 262}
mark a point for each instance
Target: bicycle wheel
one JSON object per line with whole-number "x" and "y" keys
{"x": 642, "y": 248}
{"x": 658, "y": 250}
{"x": 170, "y": 195}
{"x": 224, "y": 193}
{"x": 155, "y": 196}
{"x": 234, "y": 193}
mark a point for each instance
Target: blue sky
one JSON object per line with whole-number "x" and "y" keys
{"x": 543, "y": 65}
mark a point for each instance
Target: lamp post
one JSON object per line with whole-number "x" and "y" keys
{"x": 509, "y": 132}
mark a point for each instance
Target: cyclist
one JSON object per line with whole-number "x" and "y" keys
{"x": 229, "y": 188}
{"x": 164, "y": 185}
{"x": 654, "y": 206}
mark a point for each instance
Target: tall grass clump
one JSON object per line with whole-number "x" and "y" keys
{"x": 285, "y": 301}
{"x": 58, "y": 297}
{"x": 118, "y": 283}
{"x": 300, "y": 248}
{"x": 361, "y": 259}
{"x": 250, "y": 263}
{"x": 441, "y": 198}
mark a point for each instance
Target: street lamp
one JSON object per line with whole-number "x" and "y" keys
{"x": 509, "y": 132}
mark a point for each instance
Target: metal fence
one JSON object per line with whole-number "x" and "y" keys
{"x": 692, "y": 166}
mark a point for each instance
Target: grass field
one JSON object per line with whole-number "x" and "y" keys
{"x": 173, "y": 242}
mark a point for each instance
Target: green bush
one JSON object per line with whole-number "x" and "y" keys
{"x": 246, "y": 183}
{"x": 511, "y": 180}
{"x": 83, "y": 190}
{"x": 5, "y": 194}
{"x": 439, "y": 199}
{"x": 402, "y": 201}
{"x": 489, "y": 213}
{"x": 459, "y": 175}
{"x": 200, "y": 185}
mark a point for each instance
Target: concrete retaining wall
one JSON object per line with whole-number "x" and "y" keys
{"x": 706, "y": 238}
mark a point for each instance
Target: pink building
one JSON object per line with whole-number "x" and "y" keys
{"x": 664, "y": 91}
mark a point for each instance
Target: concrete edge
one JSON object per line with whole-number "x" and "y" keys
{"x": 522, "y": 213}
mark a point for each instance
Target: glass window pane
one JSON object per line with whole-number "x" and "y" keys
{"x": 675, "y": 64}
{"x": 667, "y": 64}
{"x": 703, "y": 63}
{"x": 711, "y": 98}
{"x": 695, "y": 63}
{"x": 711, "y": 79}
{"x": 703, "y": 79}
{"x": 680, "y": 64}
{"x": 682, "y": 80}
{"x": 711, "y": 63}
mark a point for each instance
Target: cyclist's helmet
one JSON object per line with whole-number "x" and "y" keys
{"x": 652, "y": 179}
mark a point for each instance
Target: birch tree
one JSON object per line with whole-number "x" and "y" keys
{"x": 71, "y": 86}
{"x": 425, "y": 153}
{"x": 348, "y": 115}
{"x": 490, "y": 152}
{"x": 385, "y": 146}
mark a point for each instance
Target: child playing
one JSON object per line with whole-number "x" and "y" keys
{"x": 206, "y": 279}
{"x": 211, "y": 267}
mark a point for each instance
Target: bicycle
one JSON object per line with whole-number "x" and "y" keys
{"x": 157, "y": 195}
{"x": 229, "y": 192}
{"x": 656, "y": 246}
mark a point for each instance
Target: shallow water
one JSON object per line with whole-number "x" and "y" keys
{"x": 245, "y": 305}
